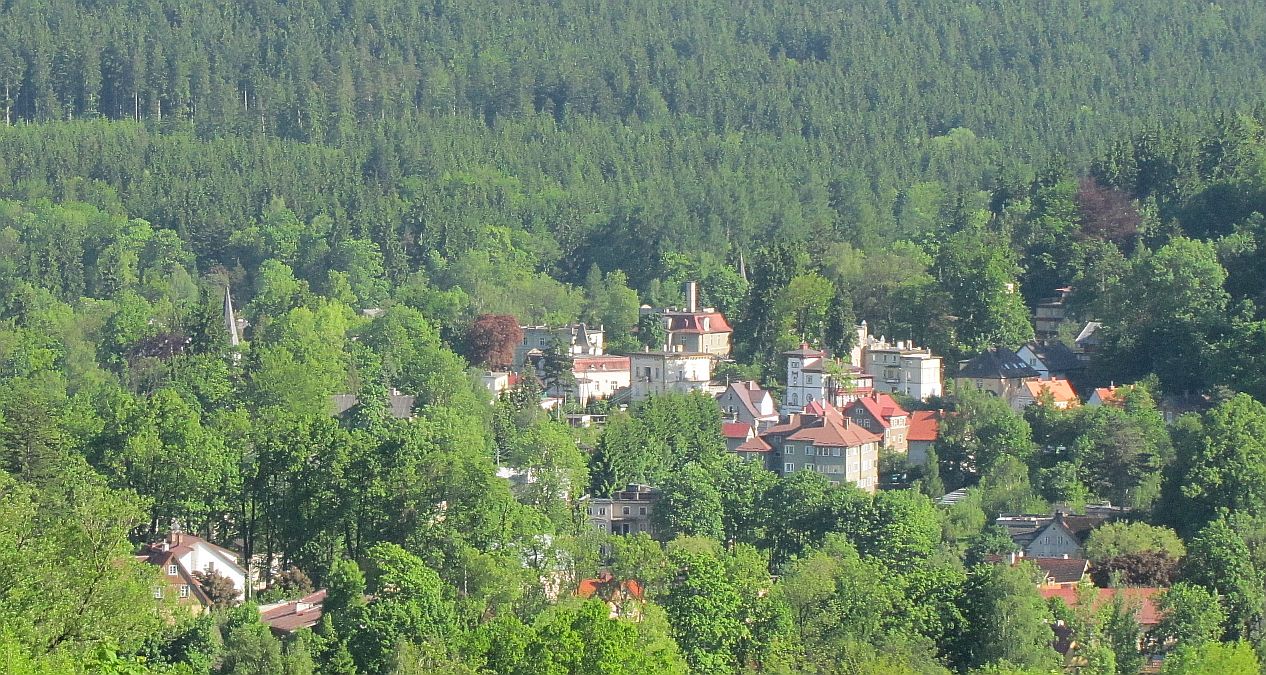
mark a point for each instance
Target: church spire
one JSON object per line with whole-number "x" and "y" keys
{"x": 230, "y": 319}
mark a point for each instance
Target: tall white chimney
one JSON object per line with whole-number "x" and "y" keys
{"x": 692, "y": 297}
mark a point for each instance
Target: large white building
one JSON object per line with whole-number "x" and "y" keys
{"x": 898, "y": 368}
{"x": 655, "y": 373}
{"x": 810, "y": 378}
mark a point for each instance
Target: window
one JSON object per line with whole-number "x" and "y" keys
{"x": 172, "y": 570}
{"x": 158, "y": 592}
{"x": 795, "y": 400}
{"x": 540, "y": 342}
{"x": 835, "y": 452}
{"x": 788, "y": 467}
{"x": 627, "y": 510}
{"x": 641, "y": 510}
{"x": 184, "y": 590}
{"x": 808, "y": 450}
{"x": 602, "y": 512}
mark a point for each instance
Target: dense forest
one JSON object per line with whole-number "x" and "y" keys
{"x": 368, "y": 178}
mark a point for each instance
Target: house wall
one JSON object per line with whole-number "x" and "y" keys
{"x": 858, "y": 465}
{"x": 917, "y": 452}
{"x": 1054, "y": 542}
{"x": 900, "y": 371}
{"x": 655, "y": 373}
{"x": 202, "y": 558}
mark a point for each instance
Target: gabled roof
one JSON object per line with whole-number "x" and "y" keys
{"x": 288, "y": 617}
{"x": 1061, "y": 391}
{"x": 1055, "y": 355}
{"x": 831, "y": 430}
{"x": 693, "y": 322}
{"x": 881, "y": 407}
{"x": 751, "y": 396}
{"x": 924, "y": 426}
{"x": 1087, "y": 335}
{"x": 399, "y": 405}
{"x": 1143, "y": 599}
{"x": 1113, "y": 395}
{"x": 1057, "y": 570}
{"x": 754, "y": 444}
{"x": 736, "y": 430}
{"x": 996, "y": 364}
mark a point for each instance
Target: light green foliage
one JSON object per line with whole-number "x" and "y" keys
{"x": 904, "y": 528}
{"x": 1191, "y": 615}
{"x": 802, "y": 309}
{"x": 981, "y": 278}
{"x": 1222, "y": 464}
{"x": 690, "y": 504}
{"x": 663, "y": 434}
{"x": 1213, "y": 658}
{"x": 71, "y": 536}
{"x": 1114, "y": 539}
{"x": 1005, "y": 620}
{"x": 982, "y": 430}
{"x": 1218, "y": 559}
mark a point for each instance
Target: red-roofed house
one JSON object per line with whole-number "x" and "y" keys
{"x": 830, "y": 444}
{"x": 1113, "y": 396}
{"x": 284, "y": 618}
{"x": 1061, "y": 392}
{"x": 695, "y": 329}
{"x": 1142, "y": 599}
{"x": 623, "y": 597}
{"x": 925, "y": 429}
{"x": 880, "y": 413}
{"x": 180, "y": 555}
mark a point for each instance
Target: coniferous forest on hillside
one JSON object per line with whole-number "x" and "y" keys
{"x": 385, "y": 190}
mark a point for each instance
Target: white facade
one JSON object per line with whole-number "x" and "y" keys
{"x": 600, "y": 376}
{"x": 577, "y": 339}
{"x": 655, "y": 373}
{"x": 899, "y": 368}
{"x": 806, "y": 382}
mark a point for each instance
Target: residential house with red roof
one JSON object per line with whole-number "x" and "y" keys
{"x": 741, "y": 439}
{"x": 695, "y": 329}
{"x": 624, "y": 597}
{"x": 925, "y": 429}
{"x": 746, "y": 402}
{"x": 1061, "y": 391}
{"x": 285, "y": 618}
{"x": 880, "y": 413}
{"x": 180, "y": 556}
{"x": 828, "y": 443}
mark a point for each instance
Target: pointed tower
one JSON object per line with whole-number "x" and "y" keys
{"x": 230, "y": 319}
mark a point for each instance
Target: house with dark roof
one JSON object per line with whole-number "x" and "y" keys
{"x": 284, "y": 618}
{"x": 998, "y": 371}
{"x": 1051, "y": 359}
{"x": 880, "y": 413}
{"x": 1054, "y": 536}
{"x": 180, "y": 557}
{"x": 826, "y": 442}
{"x": 400, "y": 405}
{"x": 925, "y": 429}
{"x": 1056, "y": 572}
{"x": 746, "y": 402}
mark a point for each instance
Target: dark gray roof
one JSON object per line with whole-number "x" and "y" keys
{"x": 400, "y": 405}
{"x": 1056, "y": 356}
{"x": 994, "y": 364}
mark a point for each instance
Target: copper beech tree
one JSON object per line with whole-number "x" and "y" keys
{"x": 491, "y": 340}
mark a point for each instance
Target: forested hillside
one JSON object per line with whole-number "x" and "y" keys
{"x": 365, "y": 180}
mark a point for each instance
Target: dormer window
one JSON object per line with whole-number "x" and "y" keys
{"x": 172, "y": 570}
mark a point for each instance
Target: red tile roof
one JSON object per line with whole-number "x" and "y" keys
{"x": 288, "y": 617}
{"x": 1061, "y": 391}
{"x": 924, "y": 426}
{"x": 736, "y": 429}
{"x": 685, "y": 322}
{"x": 589, "y": 364}
{"x": 589, "y": 587}
{"x": 754, "y": 444}
{"x": 834, "y": 434}
{"x": 881, "y": 407}
{"x": 1144, "y": 599}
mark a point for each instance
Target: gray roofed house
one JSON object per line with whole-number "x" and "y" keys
{"x": 400, "y": 405}
{"x": 747, "y": 402}
{"x": 1050, "y": 359}
{"x": 998, "y": 371}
